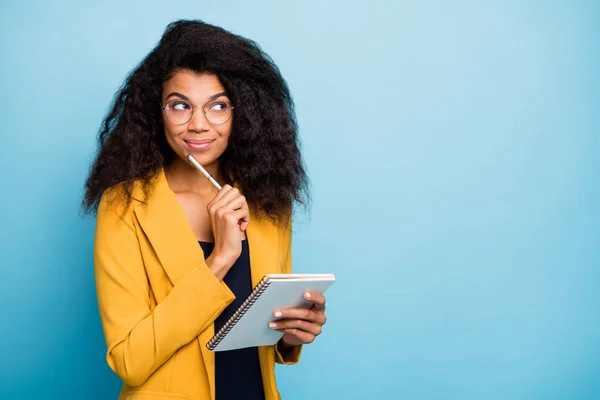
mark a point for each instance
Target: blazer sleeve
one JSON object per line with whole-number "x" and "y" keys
{"x": 292, "y": 356}
{"x": 140, "y": 336}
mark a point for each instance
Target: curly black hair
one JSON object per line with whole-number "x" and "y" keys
{"x": 263, "y": 155}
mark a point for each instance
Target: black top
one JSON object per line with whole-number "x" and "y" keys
{"x": 237, "y": 372}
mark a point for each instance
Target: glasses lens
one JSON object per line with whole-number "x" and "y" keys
{"x": 179, "y": 111}
{"x": 218, "y": 112}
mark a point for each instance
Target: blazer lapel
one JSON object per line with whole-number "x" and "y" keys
{"x": 169, "y": 231}
{"x": 175, "y": 245}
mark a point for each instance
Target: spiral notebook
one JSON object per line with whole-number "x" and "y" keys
{"x": 248, "y": 326}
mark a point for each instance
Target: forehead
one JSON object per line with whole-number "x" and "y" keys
{"x": 198, "y": 87}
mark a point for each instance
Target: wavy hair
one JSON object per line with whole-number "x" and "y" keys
{"x": 263, "y": 155}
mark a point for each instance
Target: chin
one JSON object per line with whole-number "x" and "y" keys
{"x": 204, "y": 158}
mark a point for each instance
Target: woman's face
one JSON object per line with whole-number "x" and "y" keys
{"x": 203, "y": 139}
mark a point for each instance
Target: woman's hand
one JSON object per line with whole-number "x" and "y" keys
{"x": 229, "y": 217}
{"x": 300, "y": 325}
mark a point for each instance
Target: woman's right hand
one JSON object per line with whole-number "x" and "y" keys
{"x": 229, "y": 217}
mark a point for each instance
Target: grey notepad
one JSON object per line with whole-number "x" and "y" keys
{"x": 248, "y": 326}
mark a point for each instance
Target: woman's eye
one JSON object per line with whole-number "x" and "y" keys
{"x": 180, "y": 106}
{"x": 220, "y": 106}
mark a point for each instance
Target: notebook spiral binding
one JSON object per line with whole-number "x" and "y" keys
{"x": 250, "y": 300}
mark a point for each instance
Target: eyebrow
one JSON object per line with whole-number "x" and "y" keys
{"x": 211, "y": 98}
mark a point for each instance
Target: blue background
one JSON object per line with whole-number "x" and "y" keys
{"x": 453, "y": 151}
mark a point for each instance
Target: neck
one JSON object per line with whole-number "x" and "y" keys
{"x": 182, "y": 176}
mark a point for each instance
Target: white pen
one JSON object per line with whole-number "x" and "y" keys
{"x": 203, "y": 171}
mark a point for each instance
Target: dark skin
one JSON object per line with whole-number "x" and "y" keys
{"x": 221, "y": 216}
{"x": 301, "y": 326}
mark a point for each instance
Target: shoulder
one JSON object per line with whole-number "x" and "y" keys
{"x": 123, "y": 197}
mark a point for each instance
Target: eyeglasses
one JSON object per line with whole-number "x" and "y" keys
{"x": 181, "y": 111}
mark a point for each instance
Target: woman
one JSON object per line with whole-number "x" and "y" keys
{"x": 174, "y": 256}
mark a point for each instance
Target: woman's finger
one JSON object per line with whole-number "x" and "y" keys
{"x": 317, "y": 299}
{"x": 241, "y": 217}
{"x": 301, "y": 313}
{"x": 224, "y": 190}
{"x": 313, "y": 328}
{"x": 297, "y": 336}
{"x": 237, "y": 203}
{"x": 244, "y": 224}
{"x": 226, "y": 198}
{"x": 309, "y": 314}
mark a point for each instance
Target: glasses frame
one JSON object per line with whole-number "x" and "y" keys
{"x": 204, "y": 111}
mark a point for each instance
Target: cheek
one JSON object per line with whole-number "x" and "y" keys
{"x": 171, "y": 131}
{"x": 225, "y": 132}
{"x": 169, "y": 135}
{"x": 172, "y": 136}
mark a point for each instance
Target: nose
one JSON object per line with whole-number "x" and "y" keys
{"x": 198, "y": 122}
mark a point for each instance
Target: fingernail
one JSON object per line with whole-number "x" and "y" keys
{"x": 272, "y": 325}
{"x": 307, "y": 295}
{"x": 277, "y": 314}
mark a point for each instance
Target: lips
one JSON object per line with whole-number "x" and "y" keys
{"x": 199, "y": 144}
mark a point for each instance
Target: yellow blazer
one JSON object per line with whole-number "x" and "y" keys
{"x": 158, "y": 299}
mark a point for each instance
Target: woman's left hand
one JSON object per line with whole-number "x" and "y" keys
{"x": 300, "y": 325}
